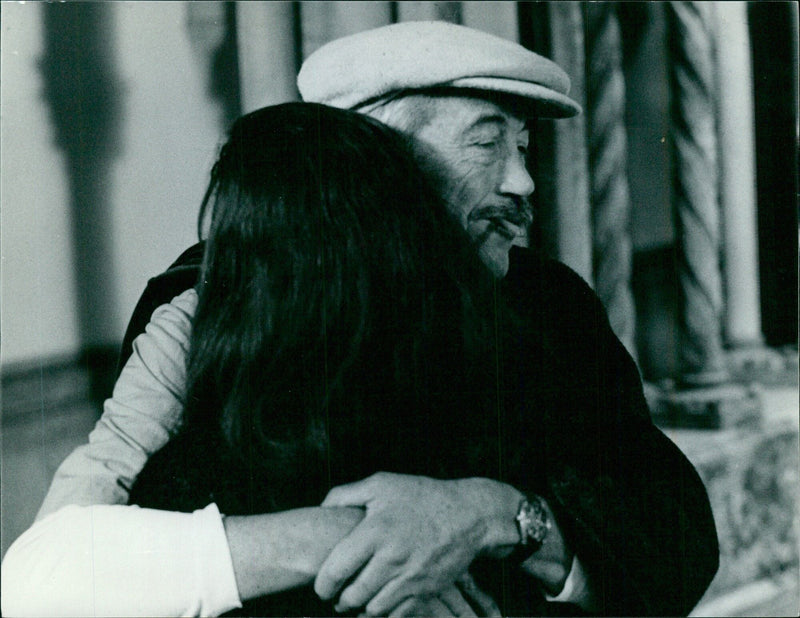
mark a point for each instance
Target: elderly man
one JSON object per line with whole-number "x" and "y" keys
{"x": 613, "y": 520}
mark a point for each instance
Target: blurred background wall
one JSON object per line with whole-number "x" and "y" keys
{"x": 108, "y": 133}
{"x": 111, "y": 115}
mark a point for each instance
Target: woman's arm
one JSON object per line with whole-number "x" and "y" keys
{"x": 144, "y": 412}
{"x": 279, "y": 551}
{"x": 114, "y": 560}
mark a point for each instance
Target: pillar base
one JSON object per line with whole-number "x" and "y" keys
{"x": 713, "y": 407}
{"x": 758, "y": 363}
{"x": 753, "y": 481}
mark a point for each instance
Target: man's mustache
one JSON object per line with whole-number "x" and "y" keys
{"x": 519, "y": 213}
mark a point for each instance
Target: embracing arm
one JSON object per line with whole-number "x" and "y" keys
{"x": 143, "y": 414}
{"x": 632, "y": 524}
{"x": 420, "y": 533}
{"x": 280, "y": 551}
{"x": 114, "y": 560}
{"x": 90, "y": 554}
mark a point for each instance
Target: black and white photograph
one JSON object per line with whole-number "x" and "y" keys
{"x": 399, "y": 308}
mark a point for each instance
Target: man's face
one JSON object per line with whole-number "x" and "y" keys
{"x": 479, "y": 151}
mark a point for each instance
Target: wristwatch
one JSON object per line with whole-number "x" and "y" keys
{"x": 533, "y": 523}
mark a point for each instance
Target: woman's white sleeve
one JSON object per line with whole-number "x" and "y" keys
{"x": 114, "y": 560}
{"x": 144, "y": 412}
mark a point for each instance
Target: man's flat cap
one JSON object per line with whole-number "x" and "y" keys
{"x": 359, "y": 69}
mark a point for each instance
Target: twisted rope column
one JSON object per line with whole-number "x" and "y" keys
{"x": 695, "y": 192}
{"x": 610, "y": 198}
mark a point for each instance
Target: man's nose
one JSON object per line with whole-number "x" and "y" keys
{"x": 516, "y": 178}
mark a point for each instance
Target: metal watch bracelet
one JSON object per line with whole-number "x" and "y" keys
{"x": 533, "y": 523}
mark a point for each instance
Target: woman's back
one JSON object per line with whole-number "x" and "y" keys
{"x": 343, "y": 327}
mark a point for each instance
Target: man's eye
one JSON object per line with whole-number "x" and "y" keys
{"x": 523, "y": 150}
{"x": 487, "y": 144}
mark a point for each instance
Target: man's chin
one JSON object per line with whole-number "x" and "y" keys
{"x": 495, "y": 258}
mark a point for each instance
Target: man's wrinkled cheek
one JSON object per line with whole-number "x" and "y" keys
{"x": 467, "y": 191}
{"x": 459, "y": 202}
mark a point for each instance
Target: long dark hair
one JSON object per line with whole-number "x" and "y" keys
{"x": 332, "y": 269}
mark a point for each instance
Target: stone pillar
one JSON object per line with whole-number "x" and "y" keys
{"x": 742, "y": 325}
{"x": 326, "y": 21}
{"x": 610, "y": 198}
{"x": 555, "y": 30}
{"x": 705, "y": 396}
{"x": 206, "y": 25}
{"x": 748, "y": 357}
{"x": 429, "y": 11}
{"x": 267, "y": 51}
{"x": 212, "y": 35}
{"x": 84, "y": 94}
{"x": 498, "y": 18}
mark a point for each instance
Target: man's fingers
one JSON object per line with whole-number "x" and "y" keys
{"x": 477, "y": 597}
{"x": 456, "y": 602}
{"x": 417, "y": 606}
{"x": 409, "y": 607}
{"x": 449, "y": 603}
{"x": 350, "y": 494}
{"x": 370, "y": 580}
{"x": 391, "y": 595}
{"x": 343, "y": 562}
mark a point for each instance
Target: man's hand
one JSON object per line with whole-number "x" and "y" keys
{"x": 418, "y": 537}
{"x": 461, "y": 599}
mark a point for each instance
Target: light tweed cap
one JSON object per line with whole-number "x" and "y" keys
{"x": 359, "y": 69}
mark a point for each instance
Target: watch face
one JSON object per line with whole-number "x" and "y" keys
{"x": 533, "y": 522}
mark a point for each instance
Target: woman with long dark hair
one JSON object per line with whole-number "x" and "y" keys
{"x": 332, "y": 272}
{"x": 343, "y": 328}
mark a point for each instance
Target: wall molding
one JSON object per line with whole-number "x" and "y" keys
{"x": 49, "y": 384}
